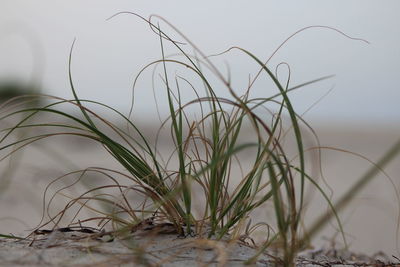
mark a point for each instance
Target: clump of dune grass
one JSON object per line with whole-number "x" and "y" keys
{"x": 207, "y": 147}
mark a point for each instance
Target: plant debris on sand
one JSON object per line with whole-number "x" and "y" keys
{"x": 89, "y": 247}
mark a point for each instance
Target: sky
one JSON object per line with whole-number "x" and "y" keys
{"x": 36, "y": 37}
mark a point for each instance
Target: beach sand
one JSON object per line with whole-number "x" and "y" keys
{"x": 370, "y": 221}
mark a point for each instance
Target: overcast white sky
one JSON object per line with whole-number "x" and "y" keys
{"x": 108, "y": 54}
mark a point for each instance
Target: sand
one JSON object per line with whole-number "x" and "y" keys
{"x": 75, "y": 248}
{"x": 370, "y": 221}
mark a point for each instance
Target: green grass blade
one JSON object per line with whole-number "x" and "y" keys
{"x": 354, "y": 190}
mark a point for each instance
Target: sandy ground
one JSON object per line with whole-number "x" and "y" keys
{"x": 370, "y": 221}
{"x": 60, "y": 248}
{"x": 166, "y": 250}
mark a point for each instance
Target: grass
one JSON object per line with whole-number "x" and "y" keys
{"x": 206, "y": 151}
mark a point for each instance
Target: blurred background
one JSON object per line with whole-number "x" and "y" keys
{"x": 35, "y": 38}
{"x": 357, "y": 110}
